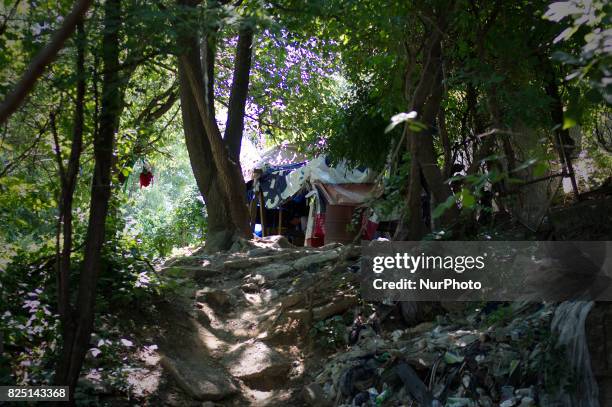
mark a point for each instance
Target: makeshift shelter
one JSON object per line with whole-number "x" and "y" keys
{"x": 277, "y": 156}
{"x": 311, "y": 202}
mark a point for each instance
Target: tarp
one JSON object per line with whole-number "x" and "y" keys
{"x": 346, "y": 194}
{"x": 322, "y": 171}
{"x": 279, "y": 183}
{"x": 283, "y": 155}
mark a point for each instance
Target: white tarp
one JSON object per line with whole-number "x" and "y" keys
{"x": 316, "y": 171}
{"x": 276, "y": 156}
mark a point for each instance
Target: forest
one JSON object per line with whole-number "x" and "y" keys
{"x": 185, "y": 187}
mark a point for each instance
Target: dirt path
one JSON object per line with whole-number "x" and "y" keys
{"x": 236, "y": 334}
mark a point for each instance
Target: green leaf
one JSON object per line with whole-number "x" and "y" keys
{"x": 513, "y": 365}
{"x": 568, "y": 122}
{"x": 467, "y": 199}
{"x": 540, "y": 168}
{"x": 525, "y": 165}
{"x": 440, "y": 209}
{"x": 451, "y": 358}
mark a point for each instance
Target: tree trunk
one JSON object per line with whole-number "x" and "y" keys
{"x": 215, "y": 159}
{"x": 414, "y": 228}
{"x": 220, "y": 232}
{"x": 228, "y": 171}
{"x": 239, "y": 93}
{"x": 426, "y": 101}
{"x": 76, "y": 343}
{"x": 68, "y": 182}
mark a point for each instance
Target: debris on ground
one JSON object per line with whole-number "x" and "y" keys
{"x": 268, "y": 323}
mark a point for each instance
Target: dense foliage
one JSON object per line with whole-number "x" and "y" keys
{"x": 525, "y": 88}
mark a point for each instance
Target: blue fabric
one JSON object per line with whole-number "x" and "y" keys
{"x": 273, "y": 183}
{"x": 250, "y": 195}
{"x": 299, "y": 198}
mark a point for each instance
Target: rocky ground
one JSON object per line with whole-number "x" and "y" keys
{"x": 272, "y": 324}
{"x": 238, "y": 335}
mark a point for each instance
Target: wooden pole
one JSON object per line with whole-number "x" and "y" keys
{"x": 253, "y": 212}
{"x": 261, "y": 214}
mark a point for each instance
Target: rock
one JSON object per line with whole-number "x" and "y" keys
{"x": 314, "y": 396}
{"x": 276, "y": 241}
{"x": 587, "y": 220}
{"x": 94, "y": 386}
{"x": 527, "y": 402}
{"x": 299, "y": 314}
{"x": 218, "y": 299}
{"x": 200, "y": 380}
{"x": 269, "y": 295}
{"x": 257, "y": 279}
{"x": 260, "y": 251}
{"x": 184, "y": 261}
{"x": 202, "y": 317}
{"x": 242, "y": 244}
{"x": 273, "y": 271}
{"x": 330, "y": 246}
{"x": 244, "y": 262}
{"x": 336, "y": 306}
{"x": 235, "y": 293}
{"x": 292, "y": 299}
{"x": 315, "y": 259}
{"x": 259, "y": 366}
{"x": 201, "y": 274}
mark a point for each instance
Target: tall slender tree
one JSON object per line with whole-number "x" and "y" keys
{"x": 68, "y": 182}
{"x": 76, "y": 337}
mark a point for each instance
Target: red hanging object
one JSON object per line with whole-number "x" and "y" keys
{"x": 146, "y": 177}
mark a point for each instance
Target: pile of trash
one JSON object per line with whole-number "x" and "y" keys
{"x": 497, "y": 355}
